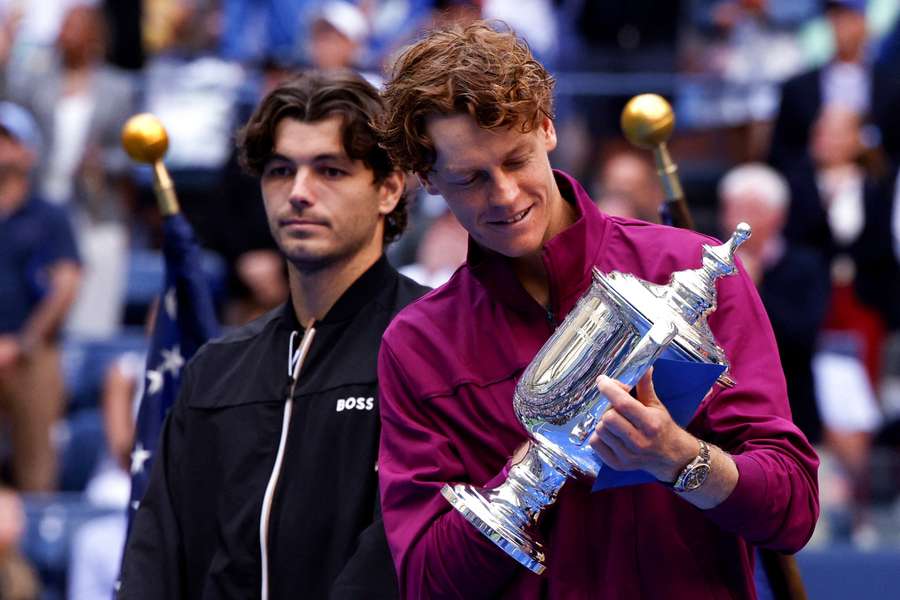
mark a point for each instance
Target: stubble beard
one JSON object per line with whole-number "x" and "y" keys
{"x": 311, "y": 263}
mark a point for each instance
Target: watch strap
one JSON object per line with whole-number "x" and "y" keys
{"x": 684, "y": 482}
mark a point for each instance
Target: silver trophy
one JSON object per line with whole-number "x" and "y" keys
{"x": 619, "y": 327}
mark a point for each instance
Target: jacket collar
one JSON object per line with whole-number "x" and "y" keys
{"x": 375, "y": 281}
{"x": 569, "y": 257}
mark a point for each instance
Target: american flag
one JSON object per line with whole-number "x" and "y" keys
{"x": 185, "y": 319}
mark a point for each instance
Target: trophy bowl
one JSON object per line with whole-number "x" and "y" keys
{"x": 618, "y": 328}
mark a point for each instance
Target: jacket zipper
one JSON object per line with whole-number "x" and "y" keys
{"x": 295, "y": 362}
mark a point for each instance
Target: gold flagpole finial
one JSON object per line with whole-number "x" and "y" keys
{"x": 145, "y": 140}
{"x": 648, "y": 121}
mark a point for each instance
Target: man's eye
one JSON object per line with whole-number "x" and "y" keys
{"x": 332, "y": 172}
{"x": 468, "y": 181}
{"x": 278, "y": 171}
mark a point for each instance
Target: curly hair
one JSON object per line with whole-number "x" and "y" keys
{"x": 313, "y": 96}
{"x": 482, "y": 70}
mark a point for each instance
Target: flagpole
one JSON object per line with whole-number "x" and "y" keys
{"x": 647, "y": 121}
{"x": 186, "y": 316}
{"x": 146, "y": 141}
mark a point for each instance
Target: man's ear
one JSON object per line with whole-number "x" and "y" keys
{"x": 549, "y": 131}
{"x": 427, "y": 184}
{"x": 390, "y": 191}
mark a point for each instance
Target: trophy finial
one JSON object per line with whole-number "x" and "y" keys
{"x": 648, "y": 120}
{"x": 144, "y": 138}
{"x": 720, "y": 259}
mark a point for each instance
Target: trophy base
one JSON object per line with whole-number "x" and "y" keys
{"x": 519, "y": 544}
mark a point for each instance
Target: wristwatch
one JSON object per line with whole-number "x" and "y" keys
{"x": 695, "y": 472}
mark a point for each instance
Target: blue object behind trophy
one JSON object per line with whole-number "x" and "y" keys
{"x": 681, "y": 385}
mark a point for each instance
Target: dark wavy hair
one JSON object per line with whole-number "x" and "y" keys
{"x": 482, "y": 70}
{"x": 313, "y": 96}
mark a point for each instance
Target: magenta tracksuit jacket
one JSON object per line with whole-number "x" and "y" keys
{"x": 447, "y": 370}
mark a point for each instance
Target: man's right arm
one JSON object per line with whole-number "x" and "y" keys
{"x": 154, "y": 563}
{"x": 437, "y": 553}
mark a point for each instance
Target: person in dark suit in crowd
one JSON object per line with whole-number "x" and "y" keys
{"x": 792, "y": 280}
{"x": 843, "y": 207}
{"x": 850, "y": 79}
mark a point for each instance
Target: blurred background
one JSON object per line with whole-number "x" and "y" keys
{"x": 788, "y": 117}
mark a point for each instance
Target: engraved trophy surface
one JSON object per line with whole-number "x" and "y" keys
{"x": 618, "y": 328}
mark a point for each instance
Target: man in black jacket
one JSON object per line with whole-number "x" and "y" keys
{"x": 265, "y": 485}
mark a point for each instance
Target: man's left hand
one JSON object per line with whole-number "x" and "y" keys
{"x": 640, "y": 433}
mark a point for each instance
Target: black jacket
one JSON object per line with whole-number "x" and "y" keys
{"x": 196, "y": 533}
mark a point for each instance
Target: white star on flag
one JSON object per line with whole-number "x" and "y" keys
{"x": 139, "y": 456}
{"x": 172, "y": 360}
{"x": 171, "y": 303}
{"x": 154, "y": 381}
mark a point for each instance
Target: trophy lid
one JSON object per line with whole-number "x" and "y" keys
{"x": 687, "y": 300}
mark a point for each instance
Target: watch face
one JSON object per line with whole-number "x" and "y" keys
{"x": 696, "y": 477}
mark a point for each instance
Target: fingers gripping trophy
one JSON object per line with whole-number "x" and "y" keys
{"x": 618, "y": 328}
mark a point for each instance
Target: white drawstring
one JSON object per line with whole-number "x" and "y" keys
{"x": 295, "y": 361}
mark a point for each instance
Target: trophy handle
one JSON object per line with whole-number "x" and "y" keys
{"x": 629, "y": 372}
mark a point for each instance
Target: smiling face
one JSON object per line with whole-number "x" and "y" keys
{"x": 323, "y": 207}
{"x": 498, "y": 183}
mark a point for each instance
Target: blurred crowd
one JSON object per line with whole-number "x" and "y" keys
{"x": 787, "y": 118}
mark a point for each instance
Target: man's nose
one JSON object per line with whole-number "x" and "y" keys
{"x": 505, "y": 188}
{"x": 302, "y": 187}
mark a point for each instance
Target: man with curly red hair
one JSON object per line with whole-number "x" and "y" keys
{"x": 471, "y": 113}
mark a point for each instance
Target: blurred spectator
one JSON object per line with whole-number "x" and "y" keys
{"x": 39, "y": 276}
{"x": 81, "y": 105}
{"x": 98, "y": 543}
{"x": 627, "y": 186}
{"x": 337, "y": 35}
{"x": 262, "y": 275}
{"x": 744, "y": 49}
{"x": 608, "y": 51}
{"x": 844, "y": 198}
{"x": 197, "y": 96}
{"x": 831, "y": 398}
{"x": 441, "y": 251}
{"x": 793, "y": 281}
{"x": 126, "y": 48}
{"x": 254, "y": 29}
{"x": 17, "y": 578}
{"x": 850, "y": 79}
{"x": 238, "y": 229}
{"x": 844, "y": 205}
{"x": 393, "y": 23}
{"x": 185, "y": 27}
{"x": 533, "y": 20}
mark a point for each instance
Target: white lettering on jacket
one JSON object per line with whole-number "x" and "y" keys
{"x": 355, "y": 404}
